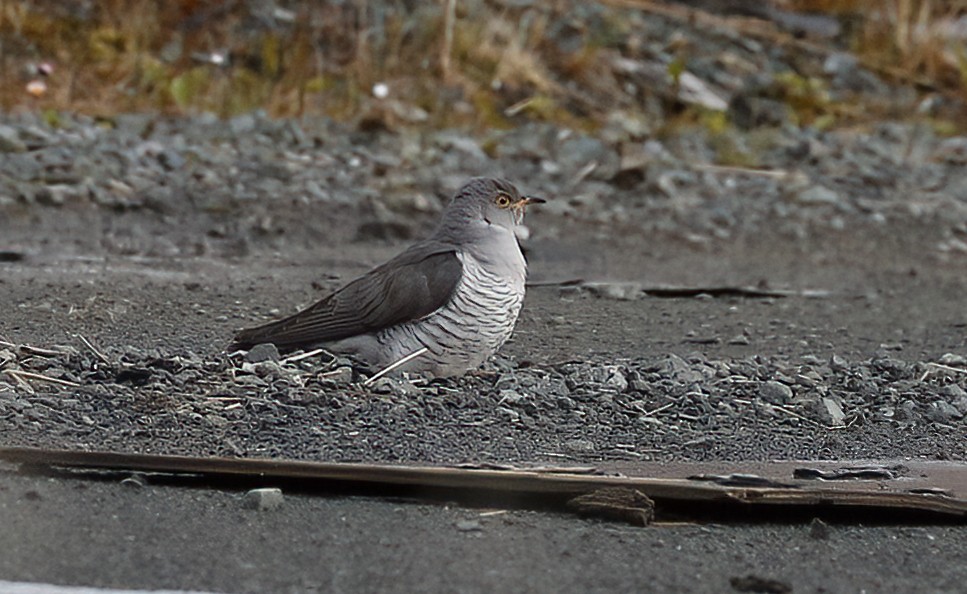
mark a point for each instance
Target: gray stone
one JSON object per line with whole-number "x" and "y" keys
{"x": 775, "y": 392}
{"x": 264, "y": 499}
{"x": 829, "y": 412}
{"x": 263, "y": 352}
{"x": 837, "y": 363}
{"x": 956, "y": 396}
{"x": 55, "y": 195}
{"x": 469, "y": 526}
{"x": 265, "y": 369}
{"x": 818, "y": 195}
{"x": 616, "y": 291}
{"x": 953, "y": 359}
{"x": 577, "y": 153}
{"x": 464, "y": 145}
{"x": 510, "y": 397}
{"x": 942, "y": 412}
{"x": 616, "y": 379}
{"x": 339, "y": 375}
{"x": 583, "y": 446}
{"x": 906, "y": 410}
{"x": 818, "y": 529}
{"x": 10, "y": 141}
{"x": 243, "y": 124}
{"x": 394, "y": 386}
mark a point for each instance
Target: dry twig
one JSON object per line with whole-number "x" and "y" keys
{"x": 90, "y": 346}
{"x": 21, "y": 375}
{"x": 301, "y": 356}
{"x": 393, "y": 366}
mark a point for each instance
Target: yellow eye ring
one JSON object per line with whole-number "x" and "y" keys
{"x": 502, "y": 200}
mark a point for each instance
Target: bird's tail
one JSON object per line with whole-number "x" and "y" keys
{"x": 249, "y": 337}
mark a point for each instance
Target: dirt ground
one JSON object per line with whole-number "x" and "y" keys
{"x": 108, "y": 535}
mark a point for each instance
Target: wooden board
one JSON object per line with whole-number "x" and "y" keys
{"x": 890, "y": 487}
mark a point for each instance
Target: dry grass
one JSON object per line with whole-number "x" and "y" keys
{"x": 924, "y": 41}
{"x": 459, "y": 62}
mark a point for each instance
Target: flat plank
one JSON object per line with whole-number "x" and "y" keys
{"x": 936, "y": 487}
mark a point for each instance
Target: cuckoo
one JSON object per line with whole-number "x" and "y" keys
{"x": 444, "y": 305}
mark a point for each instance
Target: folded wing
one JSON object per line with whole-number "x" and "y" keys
{"x": 409, "y": 287}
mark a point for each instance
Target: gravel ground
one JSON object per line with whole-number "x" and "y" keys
{"x": 870, "y": 366}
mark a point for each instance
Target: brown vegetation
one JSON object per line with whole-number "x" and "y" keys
{"x": 466, "y": 62}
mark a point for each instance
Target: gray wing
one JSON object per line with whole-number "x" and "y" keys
{"x": 410, "y": 286}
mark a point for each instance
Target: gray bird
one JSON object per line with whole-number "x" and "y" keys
{"x": 453, "y": 297}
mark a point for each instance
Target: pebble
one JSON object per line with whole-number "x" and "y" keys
{"x": 953, "y": 360}
{"x": 262, "y": 352}
{"x": 942, "y": 412}
{"x": 10, "y": 140}
{"x": 818, "y": 529}
{"x": 339, "y": 376}
{"x": 775, "y": 392}
{"x": 818, "y": 195}
{"x": 264, "y": 499}
{"x": 829, "y": 412}
{"x": 469, "y": 526}
{"x": 616, "y": 291}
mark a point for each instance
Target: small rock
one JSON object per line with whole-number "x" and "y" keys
{"x": 956, "y": 396}
{"x": 756, "y": 583}
{"x": 510, "y": 397}
{"x": 616, "y": 291}
{"x": 952, "y": 150}
{"x": 339, "y": 375}
{"x": 265, "y": 369}
{"x": 905, "y": 410}
{"x": 10, "y": 141}
{"x": 587, "y": 153}
{"x": 750, "y": 111}
{"x": 953, "y": 359}
{"x": 55, "y": 195}
{"x": 837, "y": 363}
{"x": 829, "y": 412}
{"x": 263, "y": 352}
{"x": 818, "y": 529}
{"x": 264, "y": 499}
{"x": 579, "y": 446}
{"x": 739, "y": 340}
{"x": 464, "y": 145}
{"x": 469, "y": 526}
{"x": 942, "y": 412}
{"x": 616, "y": 379}
{"x": 395, "y": 386}
{"x": 818, "y": 195}
{"x": 171, "y": 160}
{"x": 775, "y": 392}
{"x": 242, "y": 124}
{"x": 839, "y": 63}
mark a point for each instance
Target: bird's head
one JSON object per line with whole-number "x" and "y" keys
{"x": 491, "y": 201}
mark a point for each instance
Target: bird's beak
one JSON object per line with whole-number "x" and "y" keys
{"x": 531, "y": 200}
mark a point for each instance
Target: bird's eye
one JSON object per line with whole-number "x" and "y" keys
{"x": 502, "y": 200}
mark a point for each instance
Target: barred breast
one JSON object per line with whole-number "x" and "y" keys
{"x": 462, "y": 334}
